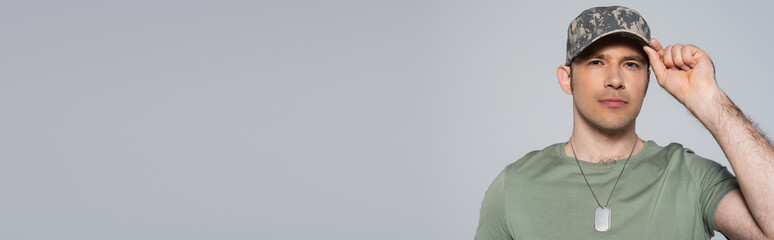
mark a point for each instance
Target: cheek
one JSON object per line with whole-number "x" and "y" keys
{"x": 639, "y": 81}
{"x": 644, "y": 83}
{"x": 583, "y": 81}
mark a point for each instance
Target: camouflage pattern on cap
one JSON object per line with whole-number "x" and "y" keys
{"x": 595, "y": 23}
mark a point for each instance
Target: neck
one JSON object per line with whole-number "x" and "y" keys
{"x": 597, "y": 146}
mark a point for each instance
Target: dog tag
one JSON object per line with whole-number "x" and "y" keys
{"x": 602, "y": 219}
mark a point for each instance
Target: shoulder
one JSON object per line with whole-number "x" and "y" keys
{"x": 699, "y": 169}
{"x": 534, "y": 159}
{"x": 676, "y": 153}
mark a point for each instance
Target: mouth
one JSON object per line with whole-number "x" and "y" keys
{"x": 613, "y": 102}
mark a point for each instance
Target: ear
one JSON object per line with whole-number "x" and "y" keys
{"x": 565, "y": 81}
{"x": 648, "y": 82}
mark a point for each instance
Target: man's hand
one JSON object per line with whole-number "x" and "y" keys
{"x": 684, "y": 71}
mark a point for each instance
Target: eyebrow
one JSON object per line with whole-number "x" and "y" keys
{"x": 625, "y": 58}
{"x": 634, "y": 58}
{"x": 600, "y": 56}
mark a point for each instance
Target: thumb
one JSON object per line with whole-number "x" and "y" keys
{"x": 655, "y": 62}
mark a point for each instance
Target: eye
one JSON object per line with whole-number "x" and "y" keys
{"x": 595, "y": 62}
{"x": 631, "y": 64}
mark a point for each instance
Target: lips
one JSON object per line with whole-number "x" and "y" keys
{"x": 613, "y": 102}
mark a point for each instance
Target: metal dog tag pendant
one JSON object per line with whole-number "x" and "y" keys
{"x": 602, "y": 219}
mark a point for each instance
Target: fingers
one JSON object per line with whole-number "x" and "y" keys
{"x": 655, "y": 60}
{"x": 679, "y": 57}
{"x": 677, "y": 53}
{"x": 687, "y": 54}
{"x": 656, "y": 45}
{"x": 669, "y": 61}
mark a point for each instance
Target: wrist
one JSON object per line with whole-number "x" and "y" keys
{"x": 709, "y": 106}
{"x": 704, "y": 99}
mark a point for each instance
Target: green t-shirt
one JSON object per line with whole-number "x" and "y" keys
{"x": 664, "y": 193}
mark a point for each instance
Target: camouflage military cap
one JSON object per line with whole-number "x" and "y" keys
{"x": 595, "y": 23}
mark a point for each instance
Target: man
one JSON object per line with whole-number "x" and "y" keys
{"x": 605, "y": 182}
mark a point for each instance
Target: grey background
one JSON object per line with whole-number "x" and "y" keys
{"x": 308, "y": 119}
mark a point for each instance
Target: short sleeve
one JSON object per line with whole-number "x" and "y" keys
{"x": 714, "y": 182}
{"x": 492, "y": 224}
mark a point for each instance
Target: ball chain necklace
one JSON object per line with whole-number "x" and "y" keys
{"x": 602, "y": 213}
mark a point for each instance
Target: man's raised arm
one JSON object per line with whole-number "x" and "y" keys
{"x": 687, "y": 73}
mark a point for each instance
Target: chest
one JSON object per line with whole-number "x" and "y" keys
{"x": 649, "y": 202}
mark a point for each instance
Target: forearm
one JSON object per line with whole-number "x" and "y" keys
{"x": 751, "y": 155}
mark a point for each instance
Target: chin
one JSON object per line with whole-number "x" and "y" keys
{"x": 609, "y": 122}
{"x": 609, "y": 126}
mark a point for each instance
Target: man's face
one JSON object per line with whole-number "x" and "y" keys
{"x": 610, "y": 79}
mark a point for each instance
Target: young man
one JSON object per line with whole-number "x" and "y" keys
{"x": 605, "y": 182}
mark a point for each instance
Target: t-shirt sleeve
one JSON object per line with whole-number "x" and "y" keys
{"x": 714, "y": 182}
{"x": 491, "y": 223}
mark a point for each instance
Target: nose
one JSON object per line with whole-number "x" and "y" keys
{"x": 615, "y": 79}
